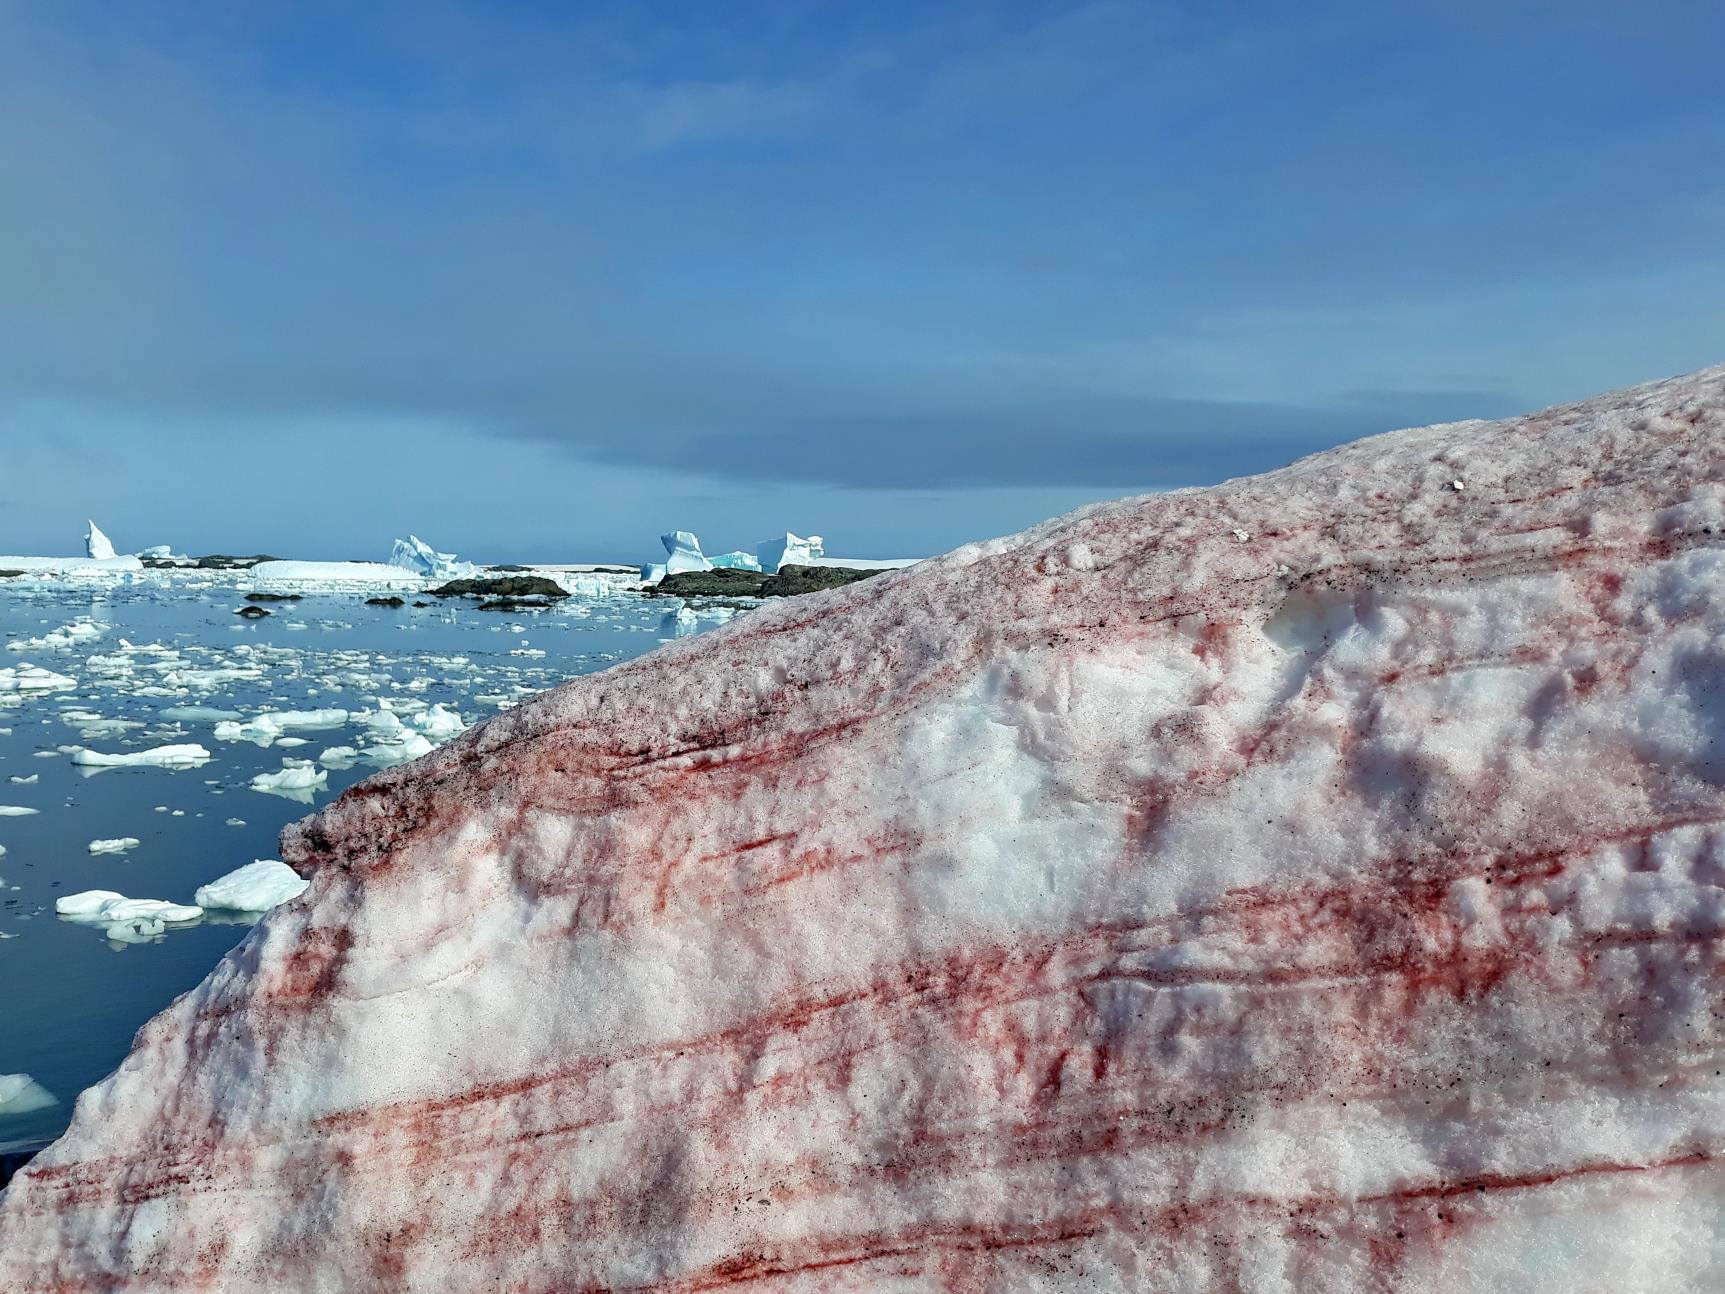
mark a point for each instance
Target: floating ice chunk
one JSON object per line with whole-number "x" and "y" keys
{"x": 684, "y": 553}
{"x": 272, "y": 724}
{"x": 295, "y": 780}
{"x": 25, "y": 781}
{"x": 400, "y": 749}
{"x": 116, "y": 846}
{"x": 652, "y": 572}
{"x": 198, "y": 714}
{"x": 33, "y": 678}
{"x": 789, "y": 551}
{"x": 122, "y": 919}
{"x": 438, "y": 723}
{"x": 339, "y": 757}
{"x": 414, "y": 554}
{"x": 82, "y": 630}
{"x": 737, "y": 561}
{"x": 157, "y": 551}
{"x": 16, "y": 811}
{"x": 20, "y": 1094}
{"x": 97, "y": 545}
{"x": 86, "y": 903}
{"x": 188, "y": 755}
{"x": 256, "y": 887}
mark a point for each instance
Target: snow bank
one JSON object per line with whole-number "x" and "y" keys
{"x": 256, "y": 887}
{"x": 1122, "y": 905}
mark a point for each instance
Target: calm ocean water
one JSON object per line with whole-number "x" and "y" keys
{"x": 71, "y": 996}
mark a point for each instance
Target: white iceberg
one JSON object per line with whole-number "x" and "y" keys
{"x": 117, "y": 846}
{"x": 737, "y": 561}
{"x": 20, "y": 1094}
{"x": 683, "y": 553}
{"x": 160, "y": 552}
{"x": 790, "y": 550}
{"x": 186, "y": 755}
{"x": 98, "y": 546}
{"x": 17, "y": 811}
{"x": 414, "y": 554}
{"x": 256, "y": 887}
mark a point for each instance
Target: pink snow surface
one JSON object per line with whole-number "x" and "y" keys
{"x": 1312, "y": 883}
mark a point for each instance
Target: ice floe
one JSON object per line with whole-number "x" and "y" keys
{"x": 25, "y": 677}
{"x": 268, "y": 727}
{"x": 256, "y": 887}
{"x": 295, "y": 780}
{"x": 20, "y": 1094}
{"x": 118, "y": 845}
{"x": 82, "y": 630}
{"x": 122, "y": 919}
{"x": 185, "y": 755}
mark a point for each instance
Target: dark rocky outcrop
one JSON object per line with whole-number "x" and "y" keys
{"x": 502, "y": 586}
{"x": 226, "y": 562}
{"x": 723, "y": 583}
{"x": 252, "y": 613}
{"x": 273, "y": 597}
{"x": 389, "y": 602}
{"x": 514, "y": 604}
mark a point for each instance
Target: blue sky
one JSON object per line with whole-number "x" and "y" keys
{"x": 543, "y": 280}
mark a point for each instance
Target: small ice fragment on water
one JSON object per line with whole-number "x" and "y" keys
{"x": 16, "y": 811}
{"x": 297, "y": 775}
{"x": 256, "y": 887}
{"x": 184, "y": 756}
{"x": 19, "y": 1094}
{"x": 117, "y": 846}
{"x": 25, "y": 781}
{"x": 236, "y": 822}
{"x": 126, "y": 920}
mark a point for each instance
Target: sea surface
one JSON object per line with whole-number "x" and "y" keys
{"x": 70, "y": 996}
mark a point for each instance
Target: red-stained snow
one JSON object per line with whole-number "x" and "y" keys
{"x": 1128, "y": 904}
